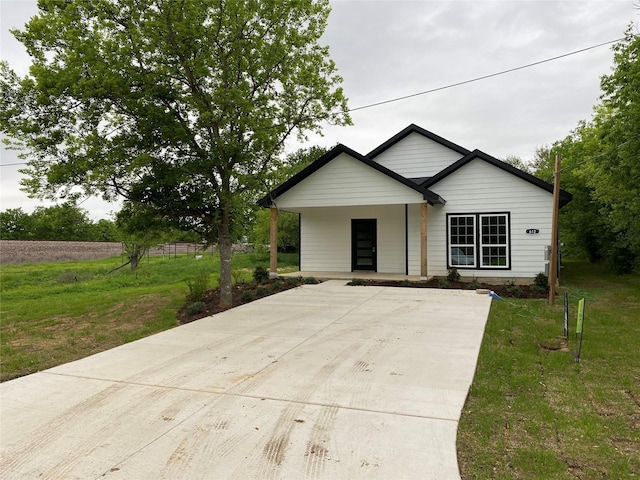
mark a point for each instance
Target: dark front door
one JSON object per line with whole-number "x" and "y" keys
{"x": 363, "y": 245}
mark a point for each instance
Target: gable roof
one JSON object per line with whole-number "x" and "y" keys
{"x": 431, "y": 197}
{"x": 565, "y": 197}
{"x": 421, "y": 131}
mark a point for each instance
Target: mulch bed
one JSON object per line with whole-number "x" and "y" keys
{"x": 242, "y": 293}
{"x": 505, "y": 291}
{"x": 248, "y": 292}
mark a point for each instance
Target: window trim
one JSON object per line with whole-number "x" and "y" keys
{"x": 478, "y": 245}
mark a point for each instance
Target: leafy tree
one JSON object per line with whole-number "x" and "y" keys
{"x": 105, "y": 231}
{"x": 66, "y": 222}
{"x": 288, "y": 230}
{"x": 182, "y": 107}
{"x": 15, "y": 224}
{"x": 613, "y": 175}
{"x": 517, "y": 162}
{"x": 140, "y": 230}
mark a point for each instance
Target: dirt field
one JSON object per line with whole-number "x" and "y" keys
{"x": 22, "y": 251}
{"x": 19, "y": 251}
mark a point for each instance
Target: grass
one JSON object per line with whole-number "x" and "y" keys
{"x": 534, "y": 413}
{"x": 53, "y": 313}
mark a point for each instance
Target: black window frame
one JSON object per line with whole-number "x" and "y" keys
{"x": 478, "y": 241}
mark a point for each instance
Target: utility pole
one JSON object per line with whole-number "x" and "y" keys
{"x": 553, "y": 261}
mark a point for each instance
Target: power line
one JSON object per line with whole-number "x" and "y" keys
{"x": 484, "y": 77}
{"x": 452, "y": 85}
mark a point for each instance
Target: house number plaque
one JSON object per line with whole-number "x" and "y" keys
{"x": 532, "y": 231}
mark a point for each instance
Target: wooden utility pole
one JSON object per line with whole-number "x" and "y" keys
{"x": 553, "y": 260}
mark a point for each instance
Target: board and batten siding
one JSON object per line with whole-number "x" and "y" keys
{"x": 325, "y": 237}
{"x": 416, "y": 156}
{"x": 480, "y": 187}
{"x": 345, "y": 181}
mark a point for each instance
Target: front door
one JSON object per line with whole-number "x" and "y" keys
{"x": 363, "y": 245}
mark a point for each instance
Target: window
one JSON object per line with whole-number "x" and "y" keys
{"x": 462, "y": 241}
{"x": 478, "y": 240}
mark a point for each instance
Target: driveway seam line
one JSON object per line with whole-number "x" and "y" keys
{"x": 255, "y": 397}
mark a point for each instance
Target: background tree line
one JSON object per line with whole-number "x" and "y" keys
{"x": 65, "y": 222}
{"x": 601, "y": 168}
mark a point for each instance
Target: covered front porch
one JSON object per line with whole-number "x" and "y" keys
{"x": 331, "y": 246}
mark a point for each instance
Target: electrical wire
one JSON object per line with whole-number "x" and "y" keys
{"x": 484, "y": 77}
{"x": 457, "y": 84}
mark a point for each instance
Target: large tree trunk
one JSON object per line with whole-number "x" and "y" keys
{"x": 224, "y": 247}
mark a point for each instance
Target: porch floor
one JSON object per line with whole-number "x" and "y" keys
{"x": 363, "y": 274}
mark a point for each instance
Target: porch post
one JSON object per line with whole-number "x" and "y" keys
{"x": 273, "y": 239}
{"x": 423, "y": 241}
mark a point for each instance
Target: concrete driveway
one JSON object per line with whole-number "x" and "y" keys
{"x": 323, "y": 381}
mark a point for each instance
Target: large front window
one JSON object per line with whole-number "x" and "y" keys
{"x": 478, "y": 240}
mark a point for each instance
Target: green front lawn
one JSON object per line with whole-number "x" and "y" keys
{"x": 534, "y": 413}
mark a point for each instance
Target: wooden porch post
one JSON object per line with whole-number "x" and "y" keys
{"x": 273, "y": 239}
{"x": 423, "y": 241}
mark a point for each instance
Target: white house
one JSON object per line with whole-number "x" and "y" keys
{"x": 418, "y": 205}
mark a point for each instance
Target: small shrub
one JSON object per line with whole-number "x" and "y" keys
{"x": 311, "y": 281}
{"x": 198, "y": 287}
{"x": 355, "y": 282}
{"x": 260, "y": 275}
{"x": 515, "y": 291}
{"x": 406, "y": 282}
{"x": 247, "y": 296}
{"x": 262, "y": 291}
{"x": 541, "y": 283}
{"x": 195, "y": 307}
{"x": 237, "y": 277}
{"x": 474, "y": 284}
{"x": 453, "y": 275}
{"x": 276, "y": 287}
{"x": 443, "y": 283}
{"x": 293, "y": 281}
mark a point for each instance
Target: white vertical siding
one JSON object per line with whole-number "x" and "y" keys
{"x": 480, "y": 187}
{"x": 326, "y": 237}
{"x": 417, "y": 156}
{"x": 346, "y": 181}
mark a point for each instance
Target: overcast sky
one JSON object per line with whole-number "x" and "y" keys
{"x": 388, "y": 49}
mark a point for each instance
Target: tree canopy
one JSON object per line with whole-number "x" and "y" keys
{"x": 66, "y": 222}
{"x": 180, "y": 107}
{"x": 601, "y": 167}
